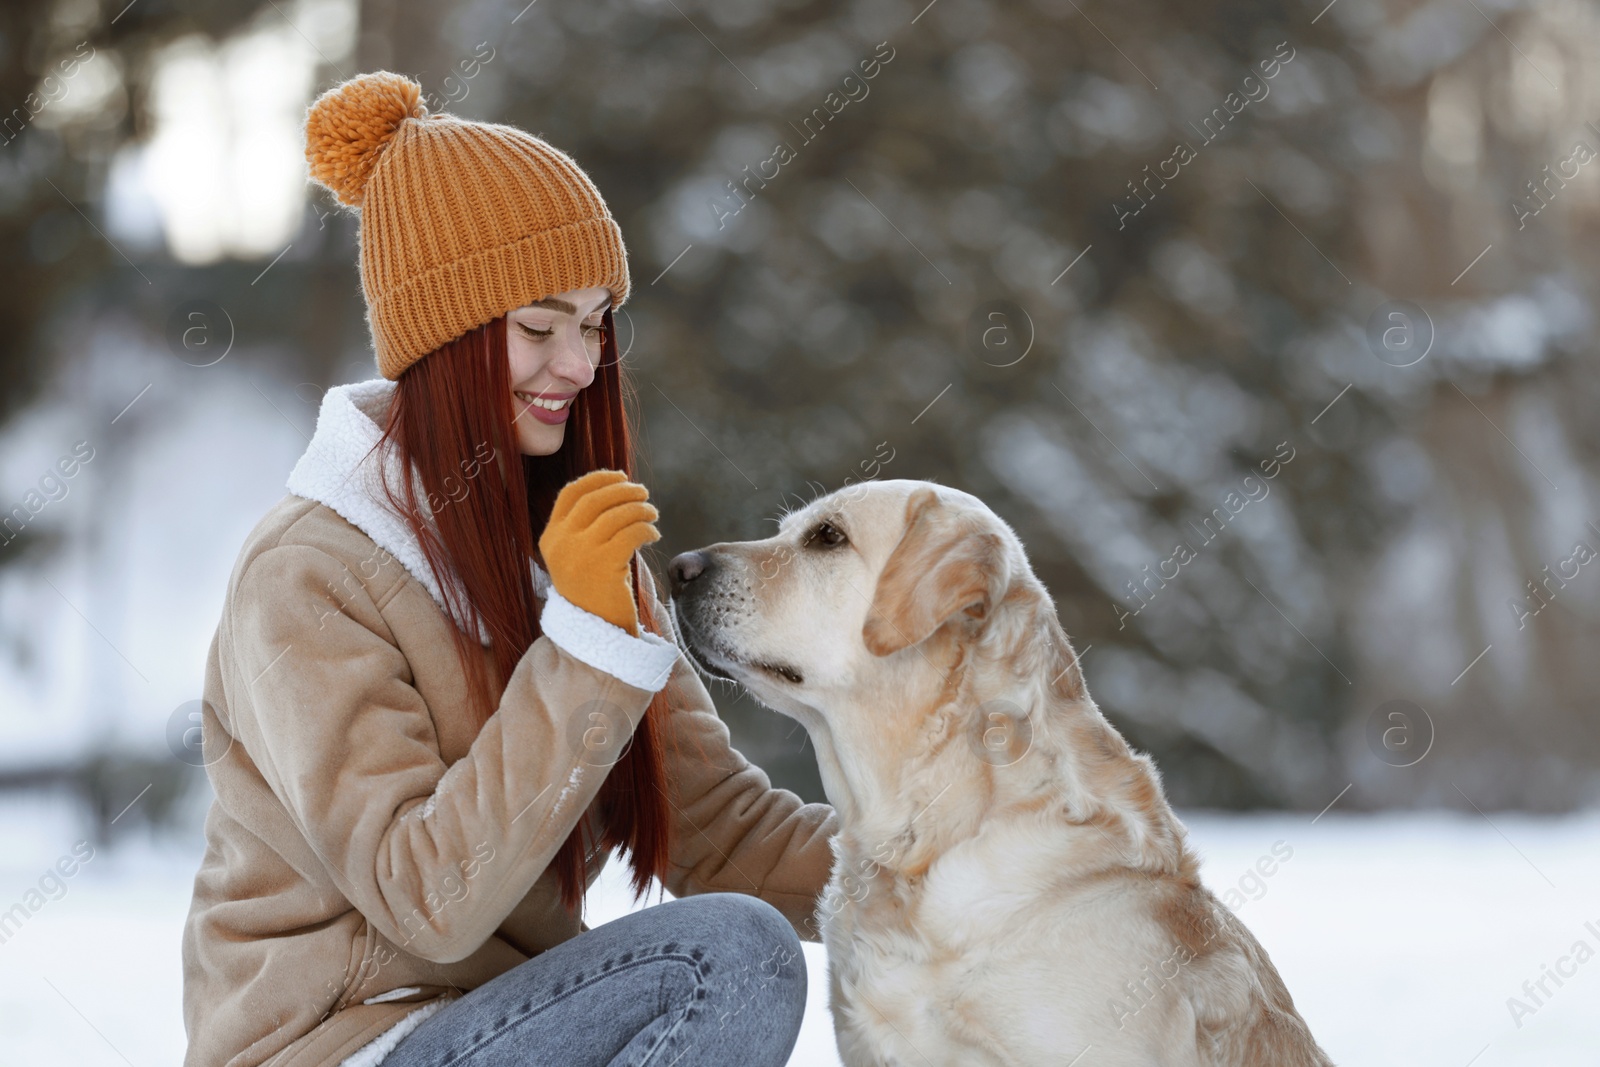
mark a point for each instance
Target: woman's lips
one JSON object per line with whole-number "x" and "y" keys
{"x": 542, "y": 413}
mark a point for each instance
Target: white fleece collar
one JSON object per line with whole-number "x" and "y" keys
{"x": 337, "y": 470}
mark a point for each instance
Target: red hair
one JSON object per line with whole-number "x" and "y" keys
{"x": 452, "y": 421}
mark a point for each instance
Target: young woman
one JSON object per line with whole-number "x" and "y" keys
{"x": 439, "y": 694}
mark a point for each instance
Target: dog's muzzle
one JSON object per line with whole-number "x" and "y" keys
{"x": 688, "y": 575}
{"x": 704, "y": 594}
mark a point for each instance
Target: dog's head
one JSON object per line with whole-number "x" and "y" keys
{"x": 841, "y": 601}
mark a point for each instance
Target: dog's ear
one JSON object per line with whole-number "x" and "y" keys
{"x": 942, "y": 565}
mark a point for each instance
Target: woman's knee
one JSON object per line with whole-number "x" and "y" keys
{"x": 750, "y": 943}
{"x": 745, "y": 922}
{"x": 753, "y": 978}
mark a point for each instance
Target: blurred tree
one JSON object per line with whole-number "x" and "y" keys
{"x": 1106, "y": 266}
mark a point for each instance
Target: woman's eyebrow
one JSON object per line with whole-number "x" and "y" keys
{"x": 555, "y": 303}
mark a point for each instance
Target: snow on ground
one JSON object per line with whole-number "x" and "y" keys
{"x": 1400, "y": 936}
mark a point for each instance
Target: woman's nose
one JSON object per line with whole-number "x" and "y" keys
{"x": 573, "y": 360}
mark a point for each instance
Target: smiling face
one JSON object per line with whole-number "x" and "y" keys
{"x": 554, "y": 346}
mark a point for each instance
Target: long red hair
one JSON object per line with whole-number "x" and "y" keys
{"x": 451, "y": 409}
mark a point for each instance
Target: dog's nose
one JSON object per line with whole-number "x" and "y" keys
{"x": 686, "y": 567}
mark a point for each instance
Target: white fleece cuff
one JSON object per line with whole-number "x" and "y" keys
{"x": 644, "y": 662}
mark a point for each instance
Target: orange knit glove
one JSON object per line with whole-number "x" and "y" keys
{"x": 596, "y": 525}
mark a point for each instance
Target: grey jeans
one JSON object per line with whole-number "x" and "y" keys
{"x": 711, "y": 980}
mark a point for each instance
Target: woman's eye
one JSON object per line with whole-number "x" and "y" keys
{"x": 592, "y": 331}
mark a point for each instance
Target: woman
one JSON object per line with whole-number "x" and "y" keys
{"x": 436, "y": 700}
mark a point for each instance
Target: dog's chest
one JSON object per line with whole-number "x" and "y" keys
{"x": 919, "y": 968}
{"x": 889, "y": 982}
{"x": 983, "y": 960}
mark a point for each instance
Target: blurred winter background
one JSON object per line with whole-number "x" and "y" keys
{"x": 1106, "y": 265}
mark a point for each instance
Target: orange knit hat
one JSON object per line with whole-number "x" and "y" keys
{"x": 461, "y": 221}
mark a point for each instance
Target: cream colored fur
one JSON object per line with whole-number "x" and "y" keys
{"x": 1010, "y": 886}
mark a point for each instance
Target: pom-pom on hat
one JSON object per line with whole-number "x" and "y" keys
{"x": 461, "y": 221}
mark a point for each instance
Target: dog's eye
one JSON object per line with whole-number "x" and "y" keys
{"x": 825, "y": 533}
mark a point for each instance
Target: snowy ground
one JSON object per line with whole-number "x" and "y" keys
{"x": 1401, "y": 937}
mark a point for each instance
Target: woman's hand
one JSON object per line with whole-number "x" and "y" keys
{"x": 598, "y": 522}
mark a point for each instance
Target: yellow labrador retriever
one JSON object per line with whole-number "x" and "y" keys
{"x": 1010, "y": 886}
